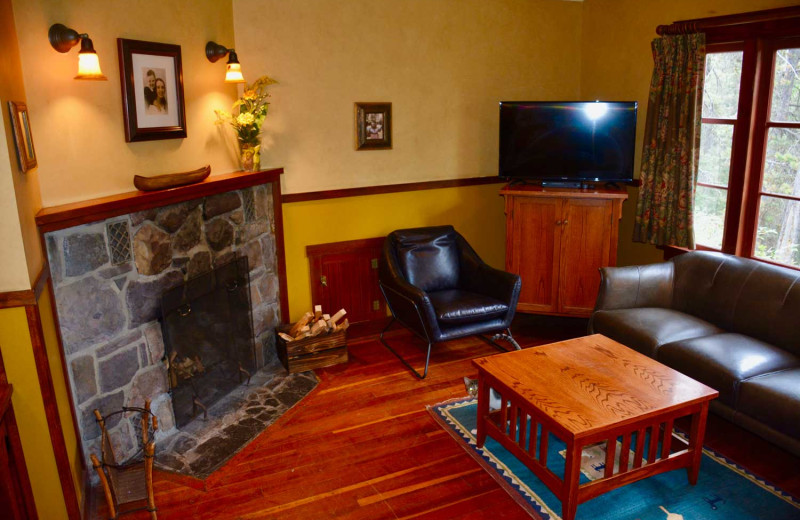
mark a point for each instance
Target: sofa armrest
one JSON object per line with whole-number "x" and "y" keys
{"x": 635, "y": 286}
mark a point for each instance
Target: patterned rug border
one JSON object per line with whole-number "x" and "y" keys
{"x": 533, "y": 504}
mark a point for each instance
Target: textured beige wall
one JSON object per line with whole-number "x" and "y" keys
{"x": 444, "y": 65}
{"x": 78, "y": 125}
{"x": 19, "y": 192}
{"x": 616, "y": 64}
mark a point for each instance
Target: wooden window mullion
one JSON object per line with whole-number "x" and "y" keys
{"x": 748, "y": 225}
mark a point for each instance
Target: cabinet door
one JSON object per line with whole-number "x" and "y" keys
{"x": 532, "y": 251}
{"x": 585, "y": 248}
{"x": 344, "y": 275}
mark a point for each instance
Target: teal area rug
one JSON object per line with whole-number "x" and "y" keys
{"x": 724, "y": 491}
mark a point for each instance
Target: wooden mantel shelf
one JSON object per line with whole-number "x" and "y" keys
{"x": 84, "y": 212}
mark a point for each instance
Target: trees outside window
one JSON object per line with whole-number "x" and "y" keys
{"x": 748, "y": 186}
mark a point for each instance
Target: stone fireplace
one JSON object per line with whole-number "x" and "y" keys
{"x": 109, "y": 275}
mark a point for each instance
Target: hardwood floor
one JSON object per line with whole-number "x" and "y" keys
{"x": 363, "y": 446}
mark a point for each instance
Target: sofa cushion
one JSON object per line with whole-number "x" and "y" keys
{"x": 740, "y": 295}
{"x": 455, "y": 306}
{"x": 722, "y": 361}
{"x": 773, "y": 399}
{"x": 646, "y": 329}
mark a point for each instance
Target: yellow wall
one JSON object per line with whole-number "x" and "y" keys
{"x": 78, "y": 125}
{"x": 18, "y": 191}
{"x": 334, "y": 220}
{"x": 444, "y": 65}
{"x": 17, "y": 351}
{"x": 616, "y": 64}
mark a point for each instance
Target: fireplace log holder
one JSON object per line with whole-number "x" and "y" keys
{"x": 132, "y": 480}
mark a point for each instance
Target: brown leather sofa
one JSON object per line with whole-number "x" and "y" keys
{"x": 729, "y": 322}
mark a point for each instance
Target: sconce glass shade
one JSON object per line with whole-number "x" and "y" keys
{"x": 88, "y": 63}
{"x": 89, "y": 67}
{"x": 62, "y": 39}
{"x": 233, "y": 74}
{"x": 233, "y": 70}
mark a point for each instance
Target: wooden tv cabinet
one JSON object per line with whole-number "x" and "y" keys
{"x": 556, "y": 240}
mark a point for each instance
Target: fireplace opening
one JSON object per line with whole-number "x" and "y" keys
{"x": 208, "y": 338}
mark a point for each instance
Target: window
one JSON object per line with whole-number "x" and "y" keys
{"x": 748, "y": 188}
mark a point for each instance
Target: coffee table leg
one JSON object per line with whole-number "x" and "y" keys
{"x": 483, "y": 409}
{"x": 696, "y": 435}
{"x": 569, "y": 502}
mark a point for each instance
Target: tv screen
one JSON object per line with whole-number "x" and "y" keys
{"x": 567, "y": 141}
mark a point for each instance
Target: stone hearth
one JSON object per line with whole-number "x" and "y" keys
{"x": 203, "y": 446}
{"x": 108, "y": 277}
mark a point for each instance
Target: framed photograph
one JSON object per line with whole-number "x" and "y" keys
{"x": 22, "y": 135}
{"x": 373, "y": 126}
{"x": 151, "y": 75}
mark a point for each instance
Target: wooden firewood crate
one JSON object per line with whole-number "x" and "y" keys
{"x": 308, "y": 353}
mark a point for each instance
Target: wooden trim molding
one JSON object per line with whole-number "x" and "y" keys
{"x": 714, "y": 22}
{"x": 17, "y": 298}
{"x": 389, "y": 188}
{"x": 77, "y": 213}
{"x": 280, "y": 250}
{"x": 28, "y": 296}
{"x": 41, "y": 280}
{"x": 51, "y": 412}
{"x": 770, "y": 22}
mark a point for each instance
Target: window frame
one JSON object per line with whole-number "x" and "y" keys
{"x": 758, "y": 42}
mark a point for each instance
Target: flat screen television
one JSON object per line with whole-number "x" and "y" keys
{"x": 573, "y": 142}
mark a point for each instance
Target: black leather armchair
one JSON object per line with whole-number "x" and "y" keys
{"x": 438, "y": 287}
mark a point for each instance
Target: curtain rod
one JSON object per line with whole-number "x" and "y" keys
{"x": 701, "y": 24}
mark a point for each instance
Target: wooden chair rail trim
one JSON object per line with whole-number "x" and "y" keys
{"x": 28, "y": 296}
{"x": 83, "y": 212}
{"x": 389, "y": 188}
{"x": 17, "y": 299}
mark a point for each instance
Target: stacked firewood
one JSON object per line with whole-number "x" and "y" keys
{"x": 316, "y": 323}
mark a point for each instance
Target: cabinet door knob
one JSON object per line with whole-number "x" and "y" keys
{"x": 558, "y": 222}
{"x": 566, "y": 222}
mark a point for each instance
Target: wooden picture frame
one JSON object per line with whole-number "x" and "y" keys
{"x": 373, "y": 126}
{"x": 23, "y": 139}
{"x": 151, "y": 75}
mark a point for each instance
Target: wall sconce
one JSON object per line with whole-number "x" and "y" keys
{"x": 63, "y": 38}
{"x": 233, "y": 71}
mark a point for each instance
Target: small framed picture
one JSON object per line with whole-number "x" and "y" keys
{"x": 373, "y": 126}
{"x": 22, "y": 135}
{"x": 151, "y": 75}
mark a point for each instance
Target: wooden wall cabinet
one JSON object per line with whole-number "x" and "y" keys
{"x": 556, "y": 240}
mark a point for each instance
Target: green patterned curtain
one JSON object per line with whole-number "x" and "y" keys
{"x": 671, "y": 148}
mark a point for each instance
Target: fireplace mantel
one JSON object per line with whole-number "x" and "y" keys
{"x": 83, "y": 212}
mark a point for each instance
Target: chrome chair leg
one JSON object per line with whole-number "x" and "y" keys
{"x": 427, "y": 357}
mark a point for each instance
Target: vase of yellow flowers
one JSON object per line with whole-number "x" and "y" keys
{"x": 246, "y": 117}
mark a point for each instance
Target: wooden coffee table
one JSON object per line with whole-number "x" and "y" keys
{"x": 586, "y": 391}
